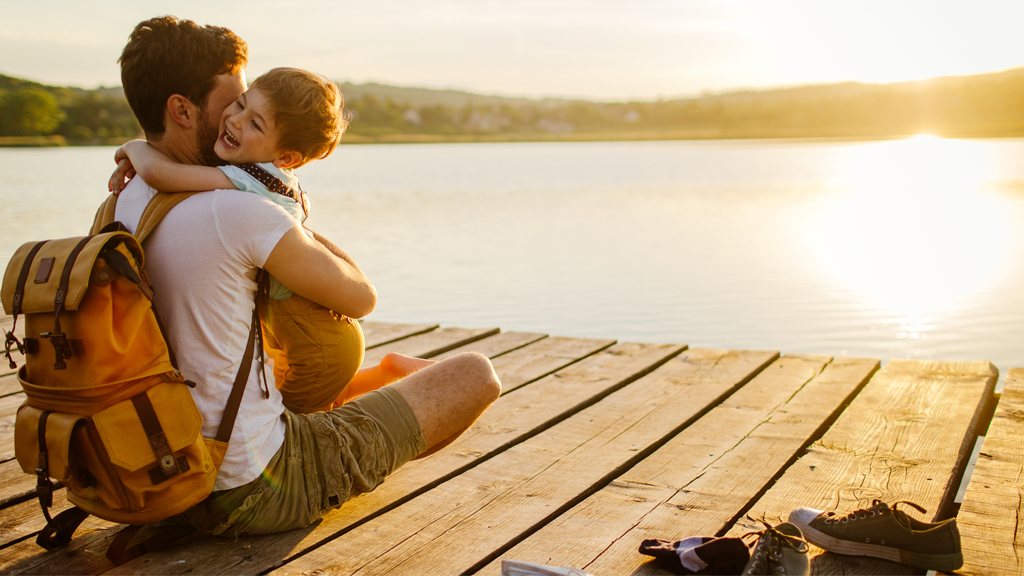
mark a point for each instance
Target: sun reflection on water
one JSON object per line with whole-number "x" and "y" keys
{"x": 913, "y": 227}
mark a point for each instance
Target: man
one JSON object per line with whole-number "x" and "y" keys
{"x": 281, "y": 471}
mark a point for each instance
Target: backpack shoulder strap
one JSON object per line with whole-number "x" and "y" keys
{"x": 105, "y": 215}
{"x": 156, "y": 209}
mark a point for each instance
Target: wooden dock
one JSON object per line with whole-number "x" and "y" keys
{"x": 596, "y": 445}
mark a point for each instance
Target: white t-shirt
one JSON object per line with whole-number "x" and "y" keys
{"x": 202, "y": 261}
{"x": 295, "y": 207}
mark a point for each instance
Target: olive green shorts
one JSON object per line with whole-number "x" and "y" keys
{"x": 326, "y": 459}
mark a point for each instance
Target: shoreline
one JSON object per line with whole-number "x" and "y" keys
{"x": 60, "y": 141}
{"x": 32, "y": 141}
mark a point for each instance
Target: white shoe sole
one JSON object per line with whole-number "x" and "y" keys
{"x": 939, "y": 562}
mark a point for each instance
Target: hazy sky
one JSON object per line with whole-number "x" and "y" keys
{"x": 603, "y": 49}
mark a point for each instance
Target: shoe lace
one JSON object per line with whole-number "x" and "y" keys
{"x": 767, "y": 552}
{"x": 876, "y": 509}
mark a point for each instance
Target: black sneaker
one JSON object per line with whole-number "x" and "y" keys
{"x": 886, "y": 533}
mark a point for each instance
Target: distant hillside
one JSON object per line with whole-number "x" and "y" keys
{"x": 979, "y": 105}
{"x": 30, "y": 109}
{"x": 430, "y": 97}
{"x": 976, "y": 105}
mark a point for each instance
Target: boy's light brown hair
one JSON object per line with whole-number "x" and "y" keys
{"x": 307, "y": 109}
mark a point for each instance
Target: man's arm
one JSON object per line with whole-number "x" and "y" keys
{"x": 331, "y": 247}
{"x": 320, "y": 271}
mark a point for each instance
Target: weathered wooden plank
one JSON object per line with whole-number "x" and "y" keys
{"x": 512, "y": 418}
{"x": 499, "y": 344}
{"x": 26, "y": 518}
{"x": 691, "y": 486}
{"x": 9, "y": 384}
{"x": 8, "y": 410}
{"x": 81, "y": 556}
{"x": 469, "y": 519}
{"x": 428, "y": 344}
{"x": 15, "y": 485}
{"x": 904, "y": 437}
{"x": 991, "y": 518}
{"x": 525, "y": 365}
{"x": 378, "y": 333}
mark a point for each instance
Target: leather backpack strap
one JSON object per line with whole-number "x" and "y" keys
{"x": 128, "y": 544}
{"x": 155, "y": 211}
{"x": 105, "y": 215}
{"x": 60, "y": 528}
{"x": 227, "y": 421}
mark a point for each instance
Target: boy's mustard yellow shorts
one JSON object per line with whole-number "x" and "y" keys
{"x": 326, "y": 459}
{"x": 315, "y": 351}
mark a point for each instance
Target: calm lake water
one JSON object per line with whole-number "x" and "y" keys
{"x": 894, "y": 249}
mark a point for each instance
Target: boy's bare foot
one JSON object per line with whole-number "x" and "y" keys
{"x": 396, "y": 366}
{"x": 392, "y": 368}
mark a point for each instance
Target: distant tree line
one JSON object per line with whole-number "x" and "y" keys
{"x": 982, "y": 105}
{"x": 80, "y": 116}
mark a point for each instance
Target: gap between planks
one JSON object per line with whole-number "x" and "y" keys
{"x": 991, "y": 518}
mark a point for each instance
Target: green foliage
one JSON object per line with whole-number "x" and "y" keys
{"x": 93, "y": 117}
{"x": 960, "y": 106}
{"x": 80, "y": 116}
{"x": 28, "y": 111}
{"x": 982, "y": 105}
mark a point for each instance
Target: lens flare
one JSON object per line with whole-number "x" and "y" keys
{"x": 915, "y": 228}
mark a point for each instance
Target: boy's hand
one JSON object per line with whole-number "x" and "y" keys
{"x": 122, "y": 174}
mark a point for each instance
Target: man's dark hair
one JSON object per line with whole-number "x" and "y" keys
{"x": 166, "y": 56}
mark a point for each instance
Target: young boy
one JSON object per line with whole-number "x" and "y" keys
{"x": 285, "y": 119}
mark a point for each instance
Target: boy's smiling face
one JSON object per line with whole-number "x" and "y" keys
{"x": 247, "y": 130}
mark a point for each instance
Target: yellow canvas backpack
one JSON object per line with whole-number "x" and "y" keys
{"x": 107, "y": 414}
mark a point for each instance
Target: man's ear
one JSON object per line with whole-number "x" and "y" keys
{"x": 181, "y": 111}
{"x": 289, "y": 159}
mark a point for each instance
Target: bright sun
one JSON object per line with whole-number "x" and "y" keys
{"x": 915, "y": 231}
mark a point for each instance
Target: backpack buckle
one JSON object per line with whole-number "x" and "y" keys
{"x": 44, "y": 487}
{"x": 61, "y": 348}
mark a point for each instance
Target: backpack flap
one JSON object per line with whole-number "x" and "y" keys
{"x": 59, "y": 427}
{"x": 89, "y": 318}
{"x": 127, "y": 428}
{"x": 156, "y": 461}
{"x": 37, "y": 289}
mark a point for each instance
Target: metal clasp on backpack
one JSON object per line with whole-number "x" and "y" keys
{"x": 61, "y": 347}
